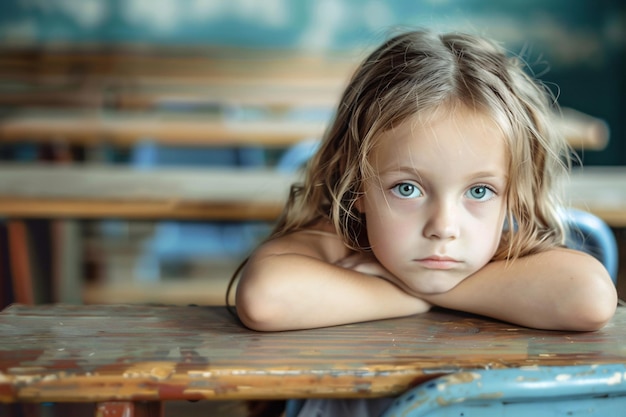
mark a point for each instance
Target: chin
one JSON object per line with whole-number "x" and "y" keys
{"x": 434, "y": 285}
{"x": 433, "y": 289}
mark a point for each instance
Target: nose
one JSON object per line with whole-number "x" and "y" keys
{"x": 442, "y": 221}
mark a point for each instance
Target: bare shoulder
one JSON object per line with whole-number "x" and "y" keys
{"x": 320, "y": 241}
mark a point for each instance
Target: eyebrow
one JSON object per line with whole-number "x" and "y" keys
{"x": 415, "y": 171}
{"x": 489, "y": 174}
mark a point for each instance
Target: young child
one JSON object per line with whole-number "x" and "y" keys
{"x": 434, "y": 185}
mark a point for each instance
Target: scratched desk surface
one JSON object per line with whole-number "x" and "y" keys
{"x": 101, "y": 353}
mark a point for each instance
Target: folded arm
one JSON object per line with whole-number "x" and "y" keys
{"x": 293, "y": 282}
{"x": 559, "y": 289}
{"x": 301, "y": 281}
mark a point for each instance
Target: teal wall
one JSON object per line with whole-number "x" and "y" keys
{"x": 578, "y": 46}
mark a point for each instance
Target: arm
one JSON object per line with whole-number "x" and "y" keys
{"x": 293, "y": 283}
{"x": 559, "y": 289}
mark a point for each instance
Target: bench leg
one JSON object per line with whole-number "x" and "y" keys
{"x": 129, "y": 409}
{"x": 19, "y": 253}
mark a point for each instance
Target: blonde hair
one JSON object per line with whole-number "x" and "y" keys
{"x": 420, "y": 71}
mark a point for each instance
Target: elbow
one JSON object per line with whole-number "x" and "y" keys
{"x": 258, "y": 307}
{"x": 594, "y": 316}
{"x": 256, "y": 314}
{"x": 595, "y": 305}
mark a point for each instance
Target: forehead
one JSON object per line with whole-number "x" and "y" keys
{"x": 447, "y": 137}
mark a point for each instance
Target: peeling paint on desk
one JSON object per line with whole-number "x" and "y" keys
{"x": 149, "y": 353}
{"x": 460, "y": 378}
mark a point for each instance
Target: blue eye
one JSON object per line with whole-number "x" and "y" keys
{"x": 480, "y": 192}
{"x": 406, "y": 190}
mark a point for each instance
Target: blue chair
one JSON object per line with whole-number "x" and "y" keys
{"x": 536, "y": 392}
{"x": 598, "y": 390}
{"x": 297, "y": 155}
{"x": 589, "y": 233}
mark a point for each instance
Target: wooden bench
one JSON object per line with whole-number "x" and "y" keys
{"x": 92, "y": 128}
{"x": 126, "y": 65}
{"x": 110, "y": 97}
{"x": 126, "y": 128}
{"x": 123, "y": 78}
{"x": 104, "y": 191}
{"x": 145, "y": 95}
{"x": 600, "y": 190}
{"x": 128, "y": 360}
{"x": 145, "y": 78}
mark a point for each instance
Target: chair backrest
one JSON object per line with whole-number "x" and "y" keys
{"x": 297, "y": 155}
{"x": 598, "y": 390}
{"x": 589, "y": 233}
{"x": 148, "y": 154}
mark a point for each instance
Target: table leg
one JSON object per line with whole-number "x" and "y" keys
{"x": 20, "y": 263}
{"x": 67, "y": 257}
{"x": 129, "y": 409}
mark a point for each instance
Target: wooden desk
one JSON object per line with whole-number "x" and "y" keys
{"x": 126, "y": 128}
{"x": 140, "y": 77}
{"x": 124, "y": 354}
{"x": 122, "y": 129}
{"x": 128, "y": 64}
{"x": 600, "y": 190}
{"x": 96, "y": 192}
{"x": 274, "y": 95}
{"x": 101, "y": 192}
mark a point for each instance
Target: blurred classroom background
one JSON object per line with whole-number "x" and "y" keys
{"x": 152, "y": 85}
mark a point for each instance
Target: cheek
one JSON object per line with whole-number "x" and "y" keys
{"x": 494, "y": 243}
{"x": 388, "y": 233}
{"x": 490, "y": 233}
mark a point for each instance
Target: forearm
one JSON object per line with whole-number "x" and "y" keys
{"x": 291, "y": 291}
{"x": 558, "y": 289}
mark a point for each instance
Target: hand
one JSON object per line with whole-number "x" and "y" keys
{"x": 366, "y": 263}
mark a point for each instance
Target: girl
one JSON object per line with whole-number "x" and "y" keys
{"x": 434, "y": 185}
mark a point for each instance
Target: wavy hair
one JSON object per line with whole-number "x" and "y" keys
{"x": 420, "y": 71}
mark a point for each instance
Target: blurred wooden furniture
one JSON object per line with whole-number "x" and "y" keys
{"x": 126, "y": 128}
{"x": 162, "y": 65}
{"x": 92, "y": 128}
{"x": 120, "y": 95}
{"x": 181, "y": 97}
{"x": 104, "y": 191}
{"x": 600, "y": 190}
{"x": 97, "y": 191}
{"x": 134, "y": 78}
{"x": 274, "y": 94}
{"x": 134, "y": 357}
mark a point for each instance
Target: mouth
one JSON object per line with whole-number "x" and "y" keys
{"x": 438, "y": 262}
